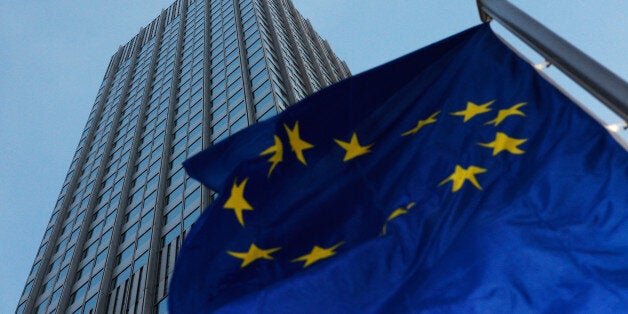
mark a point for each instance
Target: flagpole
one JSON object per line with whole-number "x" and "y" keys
{"x": 605, "y": 85}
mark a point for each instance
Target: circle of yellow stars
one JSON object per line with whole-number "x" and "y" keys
{"x": 354, "y": 149}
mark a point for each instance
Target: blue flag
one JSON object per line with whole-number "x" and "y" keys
{"x": 453, "y": 179}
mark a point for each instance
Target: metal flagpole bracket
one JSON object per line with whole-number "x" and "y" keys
{"x": 483, "y": 16}
{"x": 605, "y": 85}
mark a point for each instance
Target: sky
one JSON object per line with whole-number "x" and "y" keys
{"x": 54, "y": 55}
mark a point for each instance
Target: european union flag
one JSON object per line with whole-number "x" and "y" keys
{"x": 453, "y": 179}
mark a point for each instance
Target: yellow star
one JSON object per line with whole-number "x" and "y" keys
{"x": 277, "y": 157}
{"x": 253, "y": 254}
{"x": 396, "y": 213}
{"x": 298, "y": 145}
{"x": 318, "y": 253}
{"x": 422, "y": 123}
{"x": 504, "y": 113}
{"x": 473, "y": 110}
{"x": 353, "y": 148}
{"x": 504, "y": 142}
{"x": 236, "y": 200}
{"x": 460, "y": 175}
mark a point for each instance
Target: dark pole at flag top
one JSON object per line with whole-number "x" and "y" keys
{"x": 605, "y": 85}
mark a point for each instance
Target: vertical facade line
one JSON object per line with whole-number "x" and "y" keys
{"x": 328, "y": 52}
{"x": 343, "y": 71}
{"x": 244, "y": 65}
{"x": 207, "y": 103}
{"x": 77, "y": 256}
{"x": 295, "y": 47}
{"x": 305, "y": 35}
{"x": 54, "y": 237}
{"x": 151, "y": 298}
{"x": 103, "y": 300}
{"x": 277, "y": 47}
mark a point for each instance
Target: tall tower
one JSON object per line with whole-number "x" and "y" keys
{"x": 202, "y": 70}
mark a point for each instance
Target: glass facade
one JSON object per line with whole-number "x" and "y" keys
{"x": 198, "y": 73}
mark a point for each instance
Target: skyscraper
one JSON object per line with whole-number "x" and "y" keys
{"x": 199, "y": 72}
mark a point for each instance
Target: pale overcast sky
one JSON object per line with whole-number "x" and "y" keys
{"x": 54, "y": 54}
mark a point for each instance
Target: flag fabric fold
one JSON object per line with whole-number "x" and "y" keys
{"x": 453, "y": 179}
